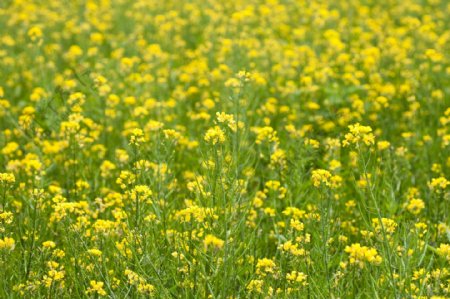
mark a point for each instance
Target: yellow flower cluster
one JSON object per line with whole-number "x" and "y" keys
{"x": 297, "y": 277}
{"x": 360, "y": 255}
{"x": 213, "y": 241}
{"x": 265, "y": 266}
{"x": 96, "y": 287}
{"x": 438, "y": 185}
{"x": 7, "y": 243}
{"x": 322, "y": 177}
{"x": 137, "y": 137}
{"x": 7, "y": 178}
{"x": 359, "y": 134}
{"x": 444, "y": 251}
{"x": 141, "y": 285}
{"x": 215, "y": 135}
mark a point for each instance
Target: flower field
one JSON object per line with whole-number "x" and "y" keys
{"x": 224, "y": 149}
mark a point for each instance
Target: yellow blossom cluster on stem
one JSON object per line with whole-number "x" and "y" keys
{"x": 359, "y": 134}
{"x": 360, "y": 255}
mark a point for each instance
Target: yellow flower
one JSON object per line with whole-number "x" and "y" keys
{"x": 215, "y": 135}
{"x": 172, "y": 135}
{"x": 137, "y": 137}
{"x": 415, "y": 206}
{"x": 7, "y": 178}
{"x": 244, "y": 76}
{"x": 444, "y": 251}
{"x": 265, "y": 266}
{"x": 320, "y": 176}
{"x": 74, "y": 52}
{"x": 382, "y": 145}
{"x": 49, "y": 244}
{"x": 106, "y": 168}
{"x": 275, "y": 186}
{"x": 438, "y": 184}
{"x": 255, "y": 285}
{"x": 211, "y": 240}
{"x": 297, "y": 277}
{"x": 94, "y": 252}
{"x": 335, "y": 164}
{"x": 278, "y": 160}
{"x": 323, "y": 177}
{"x": 312, "y": 142}
{"x": 125, "y": 179}
{"x": 96, "y": 287}
{"x": 7, "y": 243}
{"x": 359, "y": 255}
{"x": 228, "y": 119}
{"x": 292, "y": 248}
{"x": 358, "y": 134}
{"x": 35, "y": 33}
{"x": 387, "y": 224}
{"x": 53, "y": 275}
{"x": 266, "y": 134}
{"x": 142, "y": 286}
{"x": 142, "y": 192}
{"x": 6, "y": 217}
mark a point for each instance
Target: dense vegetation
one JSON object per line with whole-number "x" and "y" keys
{"x": 224, "y": 149}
